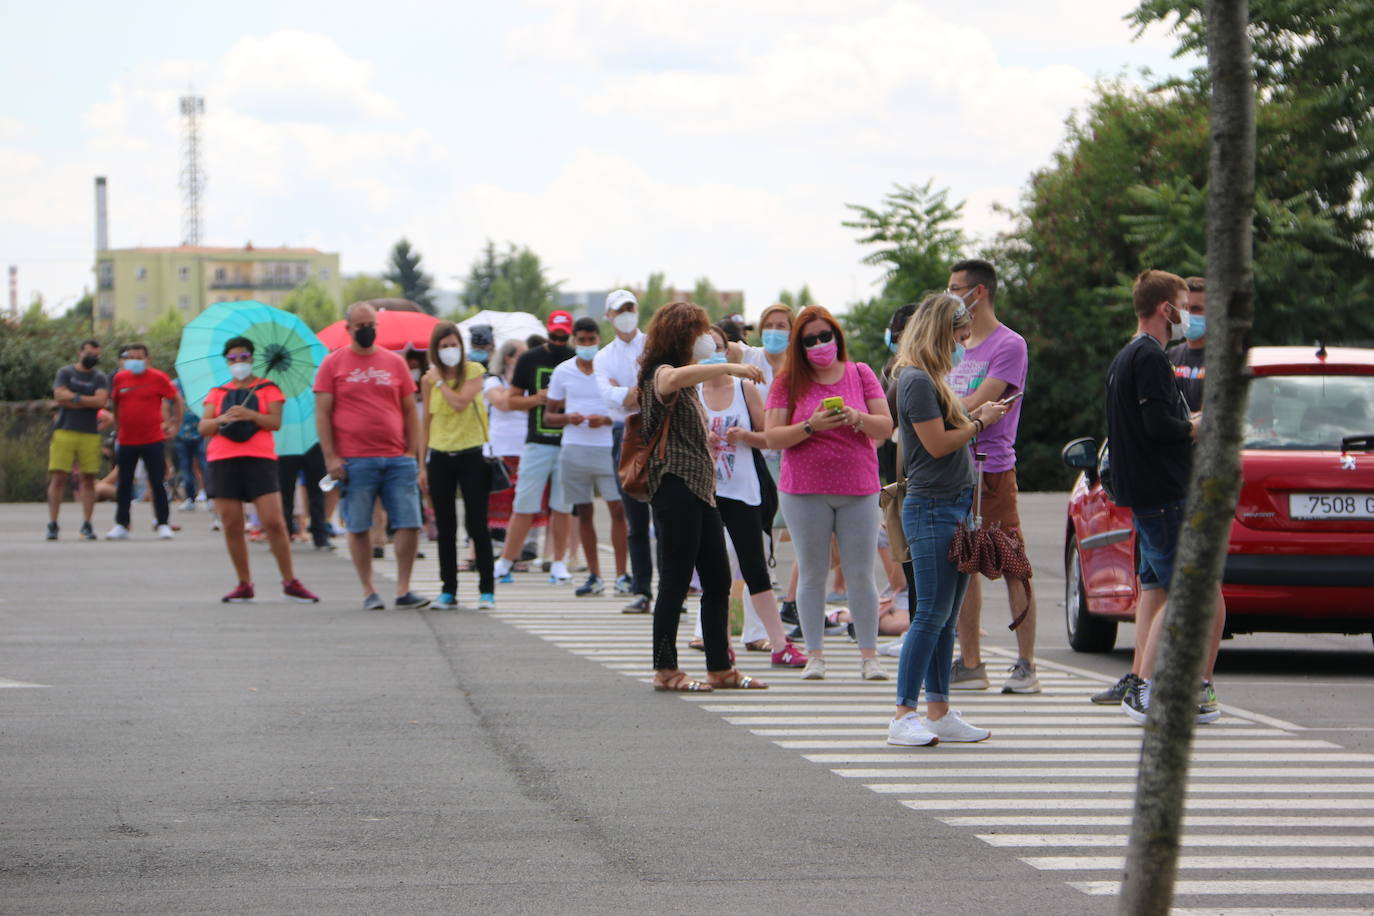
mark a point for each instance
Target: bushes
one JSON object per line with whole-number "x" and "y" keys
{"x": 23, "y": 456}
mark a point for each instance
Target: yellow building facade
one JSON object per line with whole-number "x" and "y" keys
{"x": 140, "y": 285}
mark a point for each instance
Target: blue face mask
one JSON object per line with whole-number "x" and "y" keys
{"x": 775, "y": 340}
{"x": 958, "y": 356}
{"x": 479, "y": 356}
{"x": 713, "y": 359}
{"x": 136, "y": 366}
{"x": 587, "y": 354}
{"x": 1195, "y": 327}
{"x": 887, "y": 339}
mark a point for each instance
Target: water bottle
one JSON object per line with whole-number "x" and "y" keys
{"x": 327, "y": 483}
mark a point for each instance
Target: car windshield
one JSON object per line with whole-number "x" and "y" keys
{"x": 1308, "y": 411}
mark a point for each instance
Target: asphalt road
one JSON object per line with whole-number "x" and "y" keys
{"x": 187, "y": 756}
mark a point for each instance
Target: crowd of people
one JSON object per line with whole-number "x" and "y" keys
{"x": 741, "y": 446}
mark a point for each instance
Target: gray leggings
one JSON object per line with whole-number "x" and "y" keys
{"x": 813, "y": 518}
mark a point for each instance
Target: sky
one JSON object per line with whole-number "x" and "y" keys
{"x": 615, "y": 138}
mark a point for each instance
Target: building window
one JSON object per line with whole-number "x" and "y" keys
{"x": 140, "y": 272}
{"x": 106, "y": 305}
{"x": 184, "y": 302}
{"x": 219, "y": 276}
{"x": 183, "y": 273}
{"x": 141, "y": 302}
{"x": 324, "y": 274}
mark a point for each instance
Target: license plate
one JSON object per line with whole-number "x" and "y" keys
{"x": 1331, "y": 505}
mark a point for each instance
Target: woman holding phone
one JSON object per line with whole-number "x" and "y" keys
{"x": 826, "y": 414}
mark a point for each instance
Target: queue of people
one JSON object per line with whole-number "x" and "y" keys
{"x": 758, "y": 443}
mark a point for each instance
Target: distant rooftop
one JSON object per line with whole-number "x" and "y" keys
{"x": 214, "y": 249}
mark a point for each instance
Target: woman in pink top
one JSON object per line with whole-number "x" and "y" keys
{"x": 829, "y": 483}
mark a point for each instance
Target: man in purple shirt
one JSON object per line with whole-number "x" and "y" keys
{"x": 993, "y": 367}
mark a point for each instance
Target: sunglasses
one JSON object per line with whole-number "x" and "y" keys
{"x": 824, "y": 337}
{"x": 240, "y": 358}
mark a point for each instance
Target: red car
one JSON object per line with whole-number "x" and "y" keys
{"x": 1301, "y": 553}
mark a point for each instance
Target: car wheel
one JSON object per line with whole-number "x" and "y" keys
{"x": 1087, "y": 632}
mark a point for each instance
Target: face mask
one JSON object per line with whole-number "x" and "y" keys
{"x": 587, "y": 354}
{"x": 415, "y": 374}
{"x": 704, "y": 348}
{"x": 957, "y": 356}
{"x": 1176, "y": 329}
{"x": 558, "y": 344}
{"x": 822, "y": 355}
{"x": 90, "y": 361}
{"x": 775, "y": 340}
{"x": 625, "y": 322}
{"x": 136, "y": 366}
{"x": 240, "y": 371}
{"x": 478, "y": 356}
{"x": 1196, "y": 327}
{"x": 450, "y": 356}
{"x": 365, "y": 336}
{"x": 887, "y": 339}
{"x": 713, "y": 359}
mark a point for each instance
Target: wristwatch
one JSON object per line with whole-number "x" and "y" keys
{"x": 810, "y": 430}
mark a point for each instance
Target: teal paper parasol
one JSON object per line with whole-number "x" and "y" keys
{"x": 285, "y": 351}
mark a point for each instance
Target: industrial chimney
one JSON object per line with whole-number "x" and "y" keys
{"x": 102, "y": 221}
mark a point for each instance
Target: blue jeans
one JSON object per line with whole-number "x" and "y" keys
{"x": 1156, "y": 534}
{"x": 394, "y": 479}
{"x": 190, "y": 453}
{"x": 928, "y": 649}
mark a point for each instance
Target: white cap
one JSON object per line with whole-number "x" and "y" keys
{"x": 618, "y": 298}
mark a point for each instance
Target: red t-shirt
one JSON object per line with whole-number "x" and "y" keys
{"x": 261, "y": 444}
{"x": 368, "y": 419}
{"x": 138, "y": 403}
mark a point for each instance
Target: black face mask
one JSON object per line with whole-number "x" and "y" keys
{"x": 558, "y": 344}
{"x": 90, "y": 361}
{"x": 365, "y": 336}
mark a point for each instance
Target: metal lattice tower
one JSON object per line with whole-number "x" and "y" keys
{"x": 192, "y": 173}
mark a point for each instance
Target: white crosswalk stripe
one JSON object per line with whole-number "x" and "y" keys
{"x": 1058, "y": 773}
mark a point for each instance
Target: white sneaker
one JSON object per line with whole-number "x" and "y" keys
{"x": 202, "y": 499}
{"x": 214, "y": 522}
{"x": 165, "y": 532}
{"x": 910, "y": 731}
{"x": 892, "y": 649}
{"x": 814, "y": 670}
{"x": 953, "y": 728}
{"x": 558, "y": 572}
{"x": 188, "y": 506}
{"x": 873, "y": 670}
{"x": 502, "y": 567}
{"x": 117, "y": 533}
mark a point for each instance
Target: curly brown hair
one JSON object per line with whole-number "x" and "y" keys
{"x": 670, "y": 336}
{"x": 797, "y": 375}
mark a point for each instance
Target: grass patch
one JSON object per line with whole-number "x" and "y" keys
{"x": 736, "y": 616}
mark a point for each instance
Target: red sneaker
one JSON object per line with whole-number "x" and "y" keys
{"x": 243, "y": 593}
{"x": 789, "y": 656}
{"x": 297, "y": 592}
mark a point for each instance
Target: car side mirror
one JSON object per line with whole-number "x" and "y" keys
{"x": 1081, "y": 455}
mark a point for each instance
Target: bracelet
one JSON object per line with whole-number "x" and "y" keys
{"x": 981, "y": 427}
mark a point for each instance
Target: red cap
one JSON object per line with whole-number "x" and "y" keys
{"x": 560, "y": 321}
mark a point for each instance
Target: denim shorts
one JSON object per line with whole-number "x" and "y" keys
{"x": 395, "y": 480}
{"x": 1156, "y": 539}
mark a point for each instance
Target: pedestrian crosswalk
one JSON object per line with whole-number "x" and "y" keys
{"x": 1055, "y": 785}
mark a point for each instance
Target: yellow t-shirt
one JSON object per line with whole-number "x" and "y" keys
{"x": 450, "y": 431}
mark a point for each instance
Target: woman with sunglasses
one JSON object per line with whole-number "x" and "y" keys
{"x": 936, "y": 433}
{"x": 682, "y": 493}
{"x": 827, "y": 414}
{"x": 241, "y": 459}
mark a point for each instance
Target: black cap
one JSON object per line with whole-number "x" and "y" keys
{"x": 479, "y": 335}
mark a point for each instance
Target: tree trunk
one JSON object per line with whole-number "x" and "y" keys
{"x": 1152, "y": 857}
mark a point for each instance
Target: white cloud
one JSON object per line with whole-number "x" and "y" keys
{"x": 299, "y": 76}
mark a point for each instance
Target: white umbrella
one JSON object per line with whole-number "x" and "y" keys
{"x": 504, "y": 326}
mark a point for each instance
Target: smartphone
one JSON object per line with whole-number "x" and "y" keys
{"x": 836, "y": 403}
{"x": 1014, "y": 398}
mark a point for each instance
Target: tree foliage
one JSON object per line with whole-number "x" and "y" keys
{"x": 514, "y": 280}
{"x": 362, "y": 287}
{"x": 798, "y": 300}
{"x": 312, "y": 302}
{"x": 406, "y": 273}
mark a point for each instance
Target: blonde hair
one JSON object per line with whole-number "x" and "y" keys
{"x": 928, "y": 344}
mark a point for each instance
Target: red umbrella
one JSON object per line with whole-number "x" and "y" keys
{"x": 395, "y": 331}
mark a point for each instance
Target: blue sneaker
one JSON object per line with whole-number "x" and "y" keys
{"x": 446, "y": 602}
{"x": 507, "y": 579}
{"x": 486, "y": 602}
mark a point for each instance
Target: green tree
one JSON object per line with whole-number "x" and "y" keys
{"x": 361, "y": 287}
{"x": 915, "y": 237}
{"x": 798, "y": 300}
{"x": 655, "y": 296}
{"x": 82, "y": 310}
{"x": 406, "y": 273}
{"x": 513, "y": 280}
{"x": 34, "y": 348}
{"x": 312, "y": 302}
{"x": 708, "y": 297}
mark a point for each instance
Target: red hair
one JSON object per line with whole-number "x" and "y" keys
{"x": 797, "y": 372}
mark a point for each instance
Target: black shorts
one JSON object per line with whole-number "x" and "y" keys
{"x": 243, "y": 479}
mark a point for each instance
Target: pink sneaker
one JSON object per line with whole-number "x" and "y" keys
{"x": 789, "y": 656}
{"x": 297, "y": 592}
{"x": 243, "y": 593}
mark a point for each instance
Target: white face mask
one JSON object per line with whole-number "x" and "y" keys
{"x": 1176, "y": 330}
{"x": 415, "y": 374}
{"x": 240, "y": 371}
{"x": 450, "y": 356}
{"x": 625, "y": 322}
{"x": 704, "y": 348}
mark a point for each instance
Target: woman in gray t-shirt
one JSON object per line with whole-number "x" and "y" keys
{"x": 936, "y": 433}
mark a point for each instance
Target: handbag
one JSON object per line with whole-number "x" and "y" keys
{"x": 496, "y": 465}
{"x": 890, "y": 499}
{"x": 633, "y": 470}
